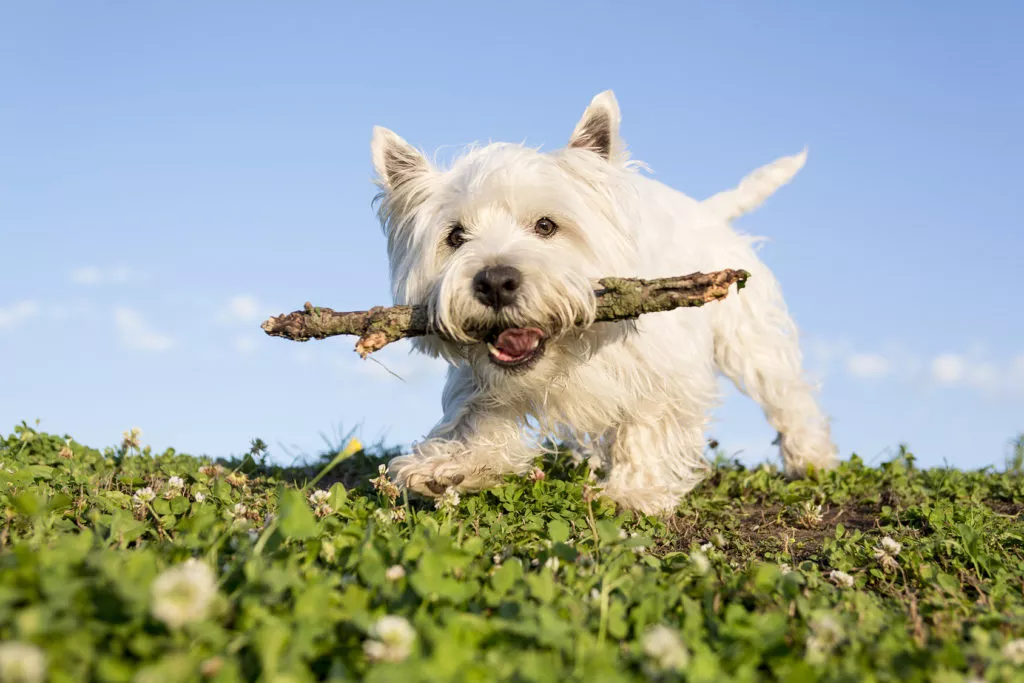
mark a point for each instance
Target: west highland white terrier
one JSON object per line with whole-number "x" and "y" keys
{"x": 505, "y": 248}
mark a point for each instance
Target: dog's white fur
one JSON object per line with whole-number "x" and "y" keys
{"x": 640, "y": 391}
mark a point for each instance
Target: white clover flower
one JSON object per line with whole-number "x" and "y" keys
{"x": 183, "y": 594}
{"x": 891, "y": 546}
{"x": 383, "y": 484}
{"x": 886, "y": 554}
{"x": 841, "y": 578}
{"x": 700, "y": 562}
{"x": 212, "y": 470}
{"x": 175, "y": 486}
{"x": 1014, "y": 651}
{"x": 811, "y": 514}
{"x": 397, "y": 514}
{"x": 237, "y": 479}
{"x": 595, "y": 594}
{"x": 132, "y": 438}
{"x": 665, "y": 648}
{"x": 239, "y": 510}
{"x": 394, "y": 573}
{"x": 319, "y": 497}
{"x": 22, "y": 662}
{"x": 392, "y": 638}
{"x": 706, "y": 547}
{"x": 319, "y": 500}
{"x": 553, "y": 564}
{"x": 449, "y": 501}
{"x": 65, "y": 450}
{"x": 200, "y": 496}
{"x": 144, "y": 495}
{"x": 826, "y": 634}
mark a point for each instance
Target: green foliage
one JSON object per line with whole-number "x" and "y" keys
{"x": 862, "y": 574}
{"x": 1015, "y": 456}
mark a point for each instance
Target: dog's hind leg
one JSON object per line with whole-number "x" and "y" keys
{"x": 757, "y": 347}
{"x": 756, "y": 341}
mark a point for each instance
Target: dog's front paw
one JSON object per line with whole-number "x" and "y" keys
{"x": 426, "y": 476}
{"x": 437, "y": 466}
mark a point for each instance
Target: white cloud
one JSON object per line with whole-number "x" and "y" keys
{"x": 243, "y": 308}
{"x": 14, "y": 315}
{"x": 949, "y": 368}
{"x": 134, "y": 333}
{"x": 867, "y": 365}
{"x": 91, "y": 275}
{"x": 975, "y": 368}
{"x": 824, "y": 357}
{"x": 975, "y": 371}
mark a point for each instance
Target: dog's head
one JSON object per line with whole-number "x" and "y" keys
{"x": 506, "y": 244}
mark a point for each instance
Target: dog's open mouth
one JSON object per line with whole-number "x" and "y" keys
{"x": 516, "y": 347}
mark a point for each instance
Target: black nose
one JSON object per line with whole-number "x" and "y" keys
{"x": 497, "y": 286}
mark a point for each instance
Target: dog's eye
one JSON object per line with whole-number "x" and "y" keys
{"x": 545, "y": 227}
{"x": 456, "y": 236}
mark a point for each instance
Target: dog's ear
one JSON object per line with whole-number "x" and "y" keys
{"x": 598, "y": 130}
{"x": 396, "y": 161}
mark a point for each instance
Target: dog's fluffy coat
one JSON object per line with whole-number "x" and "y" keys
{"x": 637, "y": 393}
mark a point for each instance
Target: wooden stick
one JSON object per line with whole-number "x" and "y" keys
{"x": 618, "y": 298}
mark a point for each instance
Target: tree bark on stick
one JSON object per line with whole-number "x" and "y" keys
{"x": 617, "y": 299}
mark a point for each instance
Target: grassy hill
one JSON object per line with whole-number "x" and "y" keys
{"x": 126, "y": 565}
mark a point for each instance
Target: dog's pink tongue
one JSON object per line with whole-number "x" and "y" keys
{"x": 518, "y": 342}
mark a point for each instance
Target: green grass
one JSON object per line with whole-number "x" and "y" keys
{"x": 533, "y": 581}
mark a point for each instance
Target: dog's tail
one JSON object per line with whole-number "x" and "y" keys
{"x": 756, "y": 187}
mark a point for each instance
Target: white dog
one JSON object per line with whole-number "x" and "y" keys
{"x": 505, "y": 248}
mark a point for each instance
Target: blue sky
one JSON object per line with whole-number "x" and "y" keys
{"x": 173, "y": 173}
